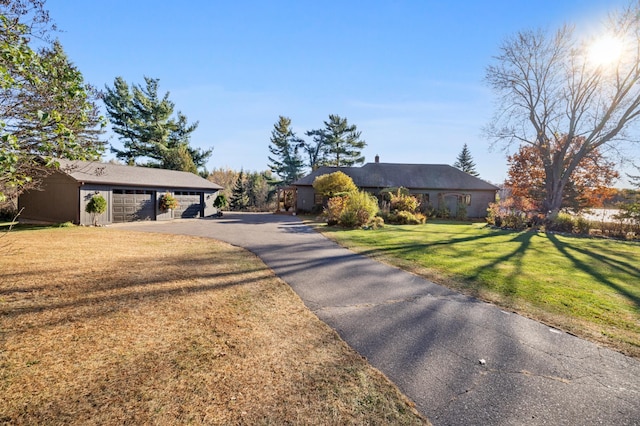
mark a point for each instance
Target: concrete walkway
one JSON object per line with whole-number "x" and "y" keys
{"x": 429, "y": 340}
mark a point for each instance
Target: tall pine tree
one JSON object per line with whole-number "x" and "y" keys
{"x": 285, "y": 161}
{"x": 338, "y": 144}
{"x": 148, "y": 128}
{"x": 465, "y": 163}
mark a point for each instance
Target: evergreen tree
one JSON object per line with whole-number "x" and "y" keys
{"x": 465, "y": 162}
{"x": 179, "y": 158}
{"x": 58, "y": 109}
{"x": 338, "y": 144}
{"x": 239, "y": 196}
{"x": 286, "y": 162}
{"x": 316, "y": 150}
{"x": 148, "y": 129}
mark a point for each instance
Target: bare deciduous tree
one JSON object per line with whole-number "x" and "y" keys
{"x": 552, "y": 90}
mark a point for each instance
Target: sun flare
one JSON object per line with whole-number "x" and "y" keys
{"x": 606, "y": 50}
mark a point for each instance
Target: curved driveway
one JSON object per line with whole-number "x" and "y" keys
{"x": 430, "y": 340}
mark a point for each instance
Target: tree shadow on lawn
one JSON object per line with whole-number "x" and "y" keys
{"x": 589, "y": 268}
{"x": 515, "y": 256}
{"x": 83, "y": 295}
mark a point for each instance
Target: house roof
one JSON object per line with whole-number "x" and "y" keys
{"x": 411, "y": 176}
{"x": 118, "y": 174}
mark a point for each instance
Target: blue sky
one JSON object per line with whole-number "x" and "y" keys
{"x": 409, "y": 74}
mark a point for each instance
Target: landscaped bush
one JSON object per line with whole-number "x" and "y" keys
{"x": 617, "y": 229}
{"x": 349, "y": 219}
{"x": 360, "y": 207}
{"x": 428, "y": 210}
{"x": 376, "y": 222}
{"x": 461, "y": 214}
{"x": 220, "y": 202}
{"x": 401, "y": 208}
{"x": 334, "y": 210}
{"x": 517, "y": 214}
{"x": 562, "y": 223}
{"x": 332, "y": 184}
{"x": 443, "y": 213}
{"x": 513, "y": 213}
{"x": 405, "y": 218}
{"x": 386, "y": 193}
{"x": 582, "y": 225}
{"x": 351, "y": 210}
{"x": 96, "y": 206}
{"x": 400, "y": 202}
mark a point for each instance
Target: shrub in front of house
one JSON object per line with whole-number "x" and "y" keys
{"x": 352, "y": 210}
{"x": 334, "y": 210}
{"x": 96, "y": 206}
{"x": 334, "y": 184}
{"x": 461, "y": 214}
{"x": 220, "y": 202}
{"x": 360, "y": 207}
{"x": 402, "y": 209}
{"x": 386, "y": 193}
{"x": 375, "y": 223}
{"x": 405, "y": 218}
{"x": 403, "y": 203}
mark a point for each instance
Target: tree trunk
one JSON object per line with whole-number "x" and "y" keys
{"x": 554, "y": 188}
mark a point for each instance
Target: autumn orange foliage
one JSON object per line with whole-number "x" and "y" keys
{"x": 590, "y": 184}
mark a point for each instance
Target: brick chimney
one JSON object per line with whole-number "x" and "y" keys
{"x": 377, "y": 158}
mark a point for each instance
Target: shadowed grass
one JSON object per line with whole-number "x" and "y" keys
{"x": 100, "y": 326}
{"x": 589, "y": 287}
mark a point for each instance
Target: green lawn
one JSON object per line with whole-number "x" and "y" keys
{"x": 589, "y": 287}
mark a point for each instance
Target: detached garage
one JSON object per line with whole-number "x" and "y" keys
{"x": 132, "y": 194}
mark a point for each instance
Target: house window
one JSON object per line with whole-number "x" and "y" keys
{"x": 318, "y": 199}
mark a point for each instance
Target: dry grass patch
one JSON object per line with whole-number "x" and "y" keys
{"x": 111, "y": 327}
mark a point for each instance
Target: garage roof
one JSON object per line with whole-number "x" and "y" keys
{"x": 118, "y": 174}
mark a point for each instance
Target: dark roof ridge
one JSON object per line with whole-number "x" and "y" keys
{"x": 410, "y": 164}
{"x": 124, "y": 175}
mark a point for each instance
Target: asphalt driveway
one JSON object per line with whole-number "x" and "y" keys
{"x": 462, "y": 361}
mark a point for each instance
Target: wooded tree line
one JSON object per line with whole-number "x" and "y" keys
{"x": 251, "y": 190}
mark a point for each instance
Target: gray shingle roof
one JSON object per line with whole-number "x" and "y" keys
{"x": 412, "y": 176}
{"x": 117, "y": 174}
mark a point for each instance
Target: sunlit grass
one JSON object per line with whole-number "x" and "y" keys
{"x": 590, "y": 287}
{"x": 100, "y": 326}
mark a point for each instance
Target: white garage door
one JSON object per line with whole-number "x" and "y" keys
{"x": 189, "y": 204}
{"x": 130, "y": 205}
